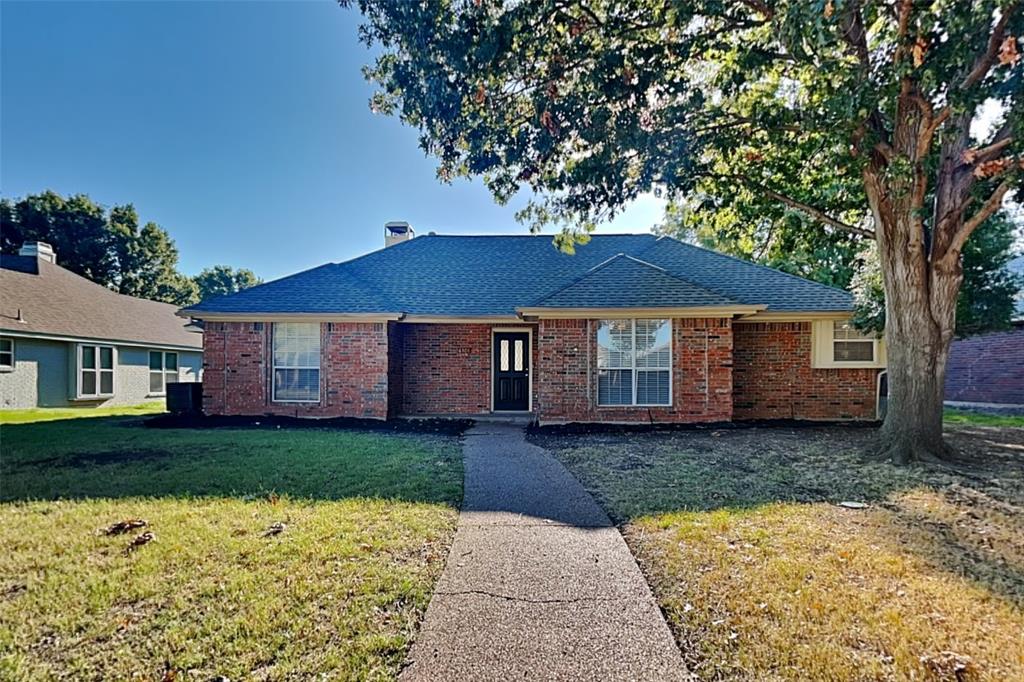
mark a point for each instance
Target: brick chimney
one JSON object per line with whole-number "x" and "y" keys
{"x": 39, "y": 251}
{"x": 396, "y": 232}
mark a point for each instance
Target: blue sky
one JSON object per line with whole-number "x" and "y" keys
{"x": 241, "y": 127}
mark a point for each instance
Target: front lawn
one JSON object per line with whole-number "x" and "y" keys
{"x": 367, "y": 520}
{"x": 763, "y": 575}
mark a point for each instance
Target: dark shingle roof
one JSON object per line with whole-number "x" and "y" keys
{"x": 495, "y": 275}
{"x": 57, "y": 302}
{"x": 626, "y": 282}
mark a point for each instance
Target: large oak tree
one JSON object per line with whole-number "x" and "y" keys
{"x": 824, "y": 107}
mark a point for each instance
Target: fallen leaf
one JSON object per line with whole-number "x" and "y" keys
{"x": 139, "y": 541}
{"x": 125, "y": 526}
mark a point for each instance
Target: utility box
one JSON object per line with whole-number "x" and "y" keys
{"x": 185, "y": 398}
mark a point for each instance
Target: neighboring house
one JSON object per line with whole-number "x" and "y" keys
{"x": 990, "y": 368}
{"x": 67, "y": 341}
{"x": 631, "y": 328}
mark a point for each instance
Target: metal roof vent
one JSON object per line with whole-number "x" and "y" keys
{"x": 397, "y": 231}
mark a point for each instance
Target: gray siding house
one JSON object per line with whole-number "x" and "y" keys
{"x": 67, "y": 341}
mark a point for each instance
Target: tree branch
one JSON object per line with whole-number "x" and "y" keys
{"x": 984, "y": 61}
{"x": 811, "y": 211}
{"x": 991, "y": 205}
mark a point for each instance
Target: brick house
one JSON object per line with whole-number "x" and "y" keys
{"x": 630, "y": 328}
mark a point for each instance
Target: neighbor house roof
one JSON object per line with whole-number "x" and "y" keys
{"x": 469, "y": 276}
{"x": 55, "y": 302}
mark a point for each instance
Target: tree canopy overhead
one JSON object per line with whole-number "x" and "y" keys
{"x": 854, "y": 113}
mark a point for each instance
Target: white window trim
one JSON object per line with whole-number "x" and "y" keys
{"x": 274, "y": 367}
{"x": 823, "y": 350}
{"x": 163, "y": 369}
{"x": 636, "y": 371}
{"x": 10, "y": 367}
{"x": 79, "y": 369}
{"x": 529, "y": 364}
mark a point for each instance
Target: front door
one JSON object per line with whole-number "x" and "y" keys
{"x": 511, "y": 371}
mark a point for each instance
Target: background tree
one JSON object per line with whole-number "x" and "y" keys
{"x": 222, "y": 279}
{"x": 826, "y": 107}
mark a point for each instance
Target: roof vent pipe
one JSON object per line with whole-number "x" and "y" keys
{"x": 397, "y": 231}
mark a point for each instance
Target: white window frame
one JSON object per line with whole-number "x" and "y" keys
{"x": 7, "y": 366}
{"x": 163, "y": 371}
{"x": 823, "y": 349}
{"x": 99, "y": 394}
{"x": 274, "y": 366}
{"x": 635, "y": 371}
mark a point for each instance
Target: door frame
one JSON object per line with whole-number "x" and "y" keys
{"x": 529, "y": 374}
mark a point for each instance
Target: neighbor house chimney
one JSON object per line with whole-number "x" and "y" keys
{"x": 38, "y": 250}
{"x": 397, "y": 231}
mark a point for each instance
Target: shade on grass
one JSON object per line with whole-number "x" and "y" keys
{"x": 368, "y": 520}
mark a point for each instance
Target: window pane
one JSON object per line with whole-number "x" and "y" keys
{"x": 653, "y": 343}
{"x": 171, "y": 377}
{"x": 854, "y": 351}
{"x": 171, "y": 361}
{"x": 106, "y": 357}
{"x": 652, "y": 388}
{"x": 88, "y": 383}
{"x": 107, "y": 382}
{"x": 6, "y": 345}
{"x": 6, "y": 359}
{"x": 504, "y": 355}
{"x": 614, "y": 343}
{"x": 844, "y": 331}
{"x": 297, "y": 384}
{"x": 88, "y": 357}
{"x": 156, "y": 359}
{"x": 615, "y": 387}
{"x": 519, "y": 355}
{"x": 156, "y": 382}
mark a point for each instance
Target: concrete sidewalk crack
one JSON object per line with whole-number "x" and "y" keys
{"x": 506, "y": 597}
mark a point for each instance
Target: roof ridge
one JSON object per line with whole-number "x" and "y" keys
{"x": 747, "y": 262}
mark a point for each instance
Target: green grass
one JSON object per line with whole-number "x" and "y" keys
{"x": 982, "y": 419}
{"x": 369, "y": 517}
{"x": 761, "y": 575}
{"x": 54, "y": 413}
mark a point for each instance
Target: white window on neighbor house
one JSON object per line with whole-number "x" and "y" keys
{"x": 163, "y": 370}
{"x": 634, "y": 362}
{"x": 850, "y": 344}
{"x": 296, "y": 362}
{"x": 95, "y": 371}
{"x": 6, "y": 353}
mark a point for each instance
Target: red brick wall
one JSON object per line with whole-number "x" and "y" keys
{"x": 987, "y": 368}
{"x": 773, "y": 377}
{"x": 701, "y": 379}
{"x": 446, "y": 368}
{"x": 353, "y": 371}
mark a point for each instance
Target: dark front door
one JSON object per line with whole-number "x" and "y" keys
{"x": 511, "y": 371}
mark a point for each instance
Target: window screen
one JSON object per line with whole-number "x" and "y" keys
{"x": 95, "y": 371}
{"x": 296, "y": 361}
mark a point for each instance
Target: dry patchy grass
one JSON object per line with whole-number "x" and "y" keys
{"x": 763, "y": 577}
{"x": 339, "y": 593}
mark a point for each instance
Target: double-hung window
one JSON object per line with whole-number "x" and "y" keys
{"x": 6, "y": 353}
{"x": 851, "y": 345}
{"x": 163, "y": 370}
{"x": 634, "y": 362}
{"x": 296, "y": 362}
{"x": 95, "y": 371}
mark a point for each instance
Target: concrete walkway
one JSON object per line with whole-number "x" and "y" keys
{"x": 538, "y": 584}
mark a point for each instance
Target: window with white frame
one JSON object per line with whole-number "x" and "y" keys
{"x": 6, "y": 353}
{"x": 163, "y": 370}
{"x": 95, "y": 371}
{"x": 296, "y": 362}
{"x": 634, "y": 362}
{"x": 850, "y": 344}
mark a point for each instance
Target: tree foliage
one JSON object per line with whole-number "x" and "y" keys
{"x": 107, "y": 246}
{"x": 221, "y": 280}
